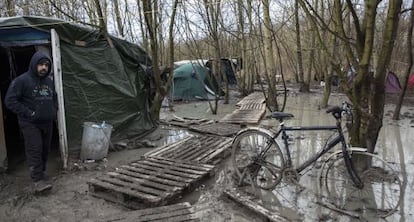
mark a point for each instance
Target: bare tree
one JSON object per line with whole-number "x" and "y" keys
{"x": 303, "y": 86}
{"x": 409, "y": 47}
{"x": 118, "y": 18}
{"x": 11, "y": 11}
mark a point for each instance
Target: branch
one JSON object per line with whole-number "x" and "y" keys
{"x": 69, "y": 16}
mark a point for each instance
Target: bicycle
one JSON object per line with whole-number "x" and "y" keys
{"x": 258, "y": 160}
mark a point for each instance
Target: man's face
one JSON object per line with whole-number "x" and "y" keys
{"x": 42, "y": 68}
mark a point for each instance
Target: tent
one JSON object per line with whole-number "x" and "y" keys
{"x": 228, "y": 67}
{"x": 410, "y": 83}
{"x": 193, "y": 81}
{"x": 97, "y": 77}
{"x": 392, "y": 84}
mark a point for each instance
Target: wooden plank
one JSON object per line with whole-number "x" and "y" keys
{"x": 186, "y": 164}
{"x": 163, "y": 174}
{"x": 244, "y": 200}
{"x": 162, "y": 164}
{"x": 171, "y": 147}
{"x": 244, "y": 116}
{"x": 61, "y": 118}
{"x": 133, "y": 186}
{"x": 212, "y": 155}
{"x": 169, "y": 171}
{"x": 139, "y": 181}
{"x": 220, "y": 129}
{"x": 192, "y": 150}
{"x": 102, "y": 185}
{"x": 130, "y": 171}
{"x": 256, "y": 97}
{"x": 177, "y": 212}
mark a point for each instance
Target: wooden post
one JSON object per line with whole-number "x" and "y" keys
{"x": 3, "y": 148}
{"x": 57, "y": 68}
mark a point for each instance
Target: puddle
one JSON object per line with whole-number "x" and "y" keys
{"x": 302, "y": 202}
{"x": 171, "y": 136}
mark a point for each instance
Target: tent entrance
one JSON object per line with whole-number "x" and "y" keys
{"x": 14, "y": 62}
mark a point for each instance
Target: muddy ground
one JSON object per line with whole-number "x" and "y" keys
{"x": 70, "y": 200}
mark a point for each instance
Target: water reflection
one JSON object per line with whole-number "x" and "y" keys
{"x": 172, "y": 136}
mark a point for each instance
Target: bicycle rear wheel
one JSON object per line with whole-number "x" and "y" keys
{"x": 263, "y": 171}
{"x": 381, "y": 193}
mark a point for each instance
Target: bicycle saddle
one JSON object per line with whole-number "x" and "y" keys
{"x": 281, "y": 116}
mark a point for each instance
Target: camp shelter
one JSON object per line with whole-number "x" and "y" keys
{"x": 193, "y": 81}
{"x": 392, "y": 84}
{"x": 97, "y": 77}
{"x": 228, "y": 67}
{"x": 411, "y": 81}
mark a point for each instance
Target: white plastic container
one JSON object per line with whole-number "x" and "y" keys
{"x": 95, "y": 140}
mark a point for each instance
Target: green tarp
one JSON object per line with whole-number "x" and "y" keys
{"x": 103, "y": 78}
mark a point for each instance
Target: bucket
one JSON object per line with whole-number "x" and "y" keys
{"x": 95, "y": 140}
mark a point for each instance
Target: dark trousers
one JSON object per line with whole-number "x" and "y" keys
{"x": 37, "y": 141}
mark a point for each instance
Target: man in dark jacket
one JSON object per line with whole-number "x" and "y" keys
{"x": 32, "y": 97}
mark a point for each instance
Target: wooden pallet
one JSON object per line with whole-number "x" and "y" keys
{"x": 171, "y": 213}
{"x": 253, "y": 98}
{"x": 247, "y": 201}
{"x": 150, "y": 182}
{"x": 186, "y": 121}
{"x": 203, "y": 149}
{"x": 220, "y": 129}
{"x": 247, "y": 114}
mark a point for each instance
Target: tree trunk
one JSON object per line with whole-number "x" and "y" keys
{"x": 397, "y": 110}
{"x": 302, "y": 85}
{"x": 378, "y": 94}
{"x": 11, "y": 11}
{"x": 150, "y": 16}
{"x": 269, "y": 59}
{"x": 118, "y": 18}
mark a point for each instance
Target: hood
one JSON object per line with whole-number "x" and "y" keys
{"x": 35, "y": 59}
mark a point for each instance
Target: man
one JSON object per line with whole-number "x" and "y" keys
{"x": 32, "y": 97}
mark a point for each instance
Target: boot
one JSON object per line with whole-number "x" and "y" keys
{"x": 41, "y": 186}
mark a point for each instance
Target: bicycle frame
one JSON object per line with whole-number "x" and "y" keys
{"x": 332, "y": 143}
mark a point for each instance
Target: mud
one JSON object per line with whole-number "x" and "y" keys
{"x": 70, "y": 200}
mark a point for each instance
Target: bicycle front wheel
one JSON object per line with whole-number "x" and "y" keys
{"x": 381, "y": 191}
{"x": 253, "y": 167}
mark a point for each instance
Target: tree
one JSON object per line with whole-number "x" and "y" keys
{"x": 409, "y": 48}
{"x": 303, "y": 86}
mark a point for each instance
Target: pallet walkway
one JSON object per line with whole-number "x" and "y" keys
{"x": 219, "y": 129}
{"x": 202, "y": 149}
{"x": 186, "y": 121}
{"x": 246, "y": 114}
{"x": 171, "y": 213}
{"x": 150, "y": 182}
{"x": 250, "y": 110}
{"x": 254, "y": 206}
{"x": 253, "y": 98}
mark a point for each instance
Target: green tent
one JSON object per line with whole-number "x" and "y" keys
{"x": 103, "y": 77}
{"x": 192, "y": 81}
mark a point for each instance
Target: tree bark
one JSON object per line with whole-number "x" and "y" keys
{"x": 408, "y": 71}
{"x": 11, "y": 11}
{"x": 118, "y": 18}
{"x": 302, "y": 85}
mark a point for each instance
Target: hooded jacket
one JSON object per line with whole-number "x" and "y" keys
{"x": 31, "y": 97}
